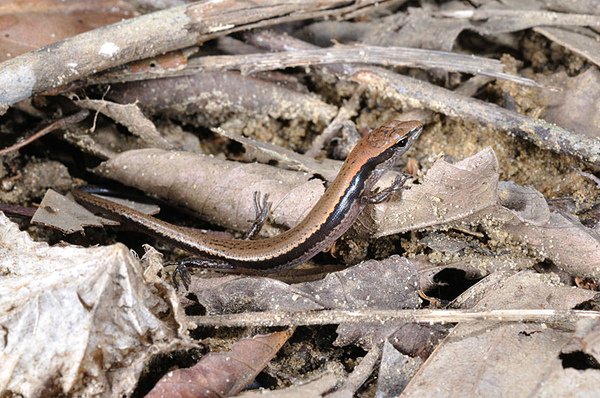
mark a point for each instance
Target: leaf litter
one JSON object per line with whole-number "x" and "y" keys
{"x": 489, "y": 222}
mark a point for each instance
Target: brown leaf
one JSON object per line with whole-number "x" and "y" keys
{"x": 500, "y": 359}
{"x": 212, "y": 97}
{"x": 220, "y": 374}
{"x": 559, "y": 237}
{"x": 131, "y": 117}
{"x": 386, "y": 284}
{"x": 56, "y": 211}
{"x": 314, "y": 388}
{"x": 26, "y": 26}
{"x": 395, "y": 371}
{"x": 575, "y": 106}
{"x": 580, "y": 41}
{"x": 220, "y": 190}
{"x": 448, "y": 193}
{"x": 264, "y": 152}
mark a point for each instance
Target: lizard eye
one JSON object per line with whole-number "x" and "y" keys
{"x": 402, "y": 142}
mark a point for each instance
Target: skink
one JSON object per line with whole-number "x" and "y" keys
{"x": 333, "y": 214}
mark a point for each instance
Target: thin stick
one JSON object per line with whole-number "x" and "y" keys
{"x": 387, "y": 56}
{"x": 56, "y": 125}
{"x": 328, "y": 317}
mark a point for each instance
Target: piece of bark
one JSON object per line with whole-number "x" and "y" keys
{"x": 149, "y": 35}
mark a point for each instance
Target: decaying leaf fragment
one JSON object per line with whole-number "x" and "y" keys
{"x": 68, "y": 216}
{"x": 78, "y": 321}
{"x": 221, "y": 374}
{"x": 130, "y": 116}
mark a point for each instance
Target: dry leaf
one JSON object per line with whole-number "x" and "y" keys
{"x": 264, "y": 152}
{"x": 314, "y": 388}
{"x": 26, "y": 25}
{"x": 500, "y": 359}
{"x": 386, "y": 284}
{"x": 78, "y": 321}
{"x": 576, "y": 105}
{"x": 213, "y": 97}
{"x": 395, "y": 371}
{"x": 561, "y": 238}
{"x": 68, "y": 216}
{"x": 359, "y": 375}
{"x": 221, "y": 191}
{"x": 131, "y": 117}
{"x": 448, "y": 193}
{"x": 220, "y": 374}
{"x": 583, "y": 42}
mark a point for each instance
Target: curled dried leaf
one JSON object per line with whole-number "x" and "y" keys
{"x": 69, "y": 314}
{"x": 448, "y": 193}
